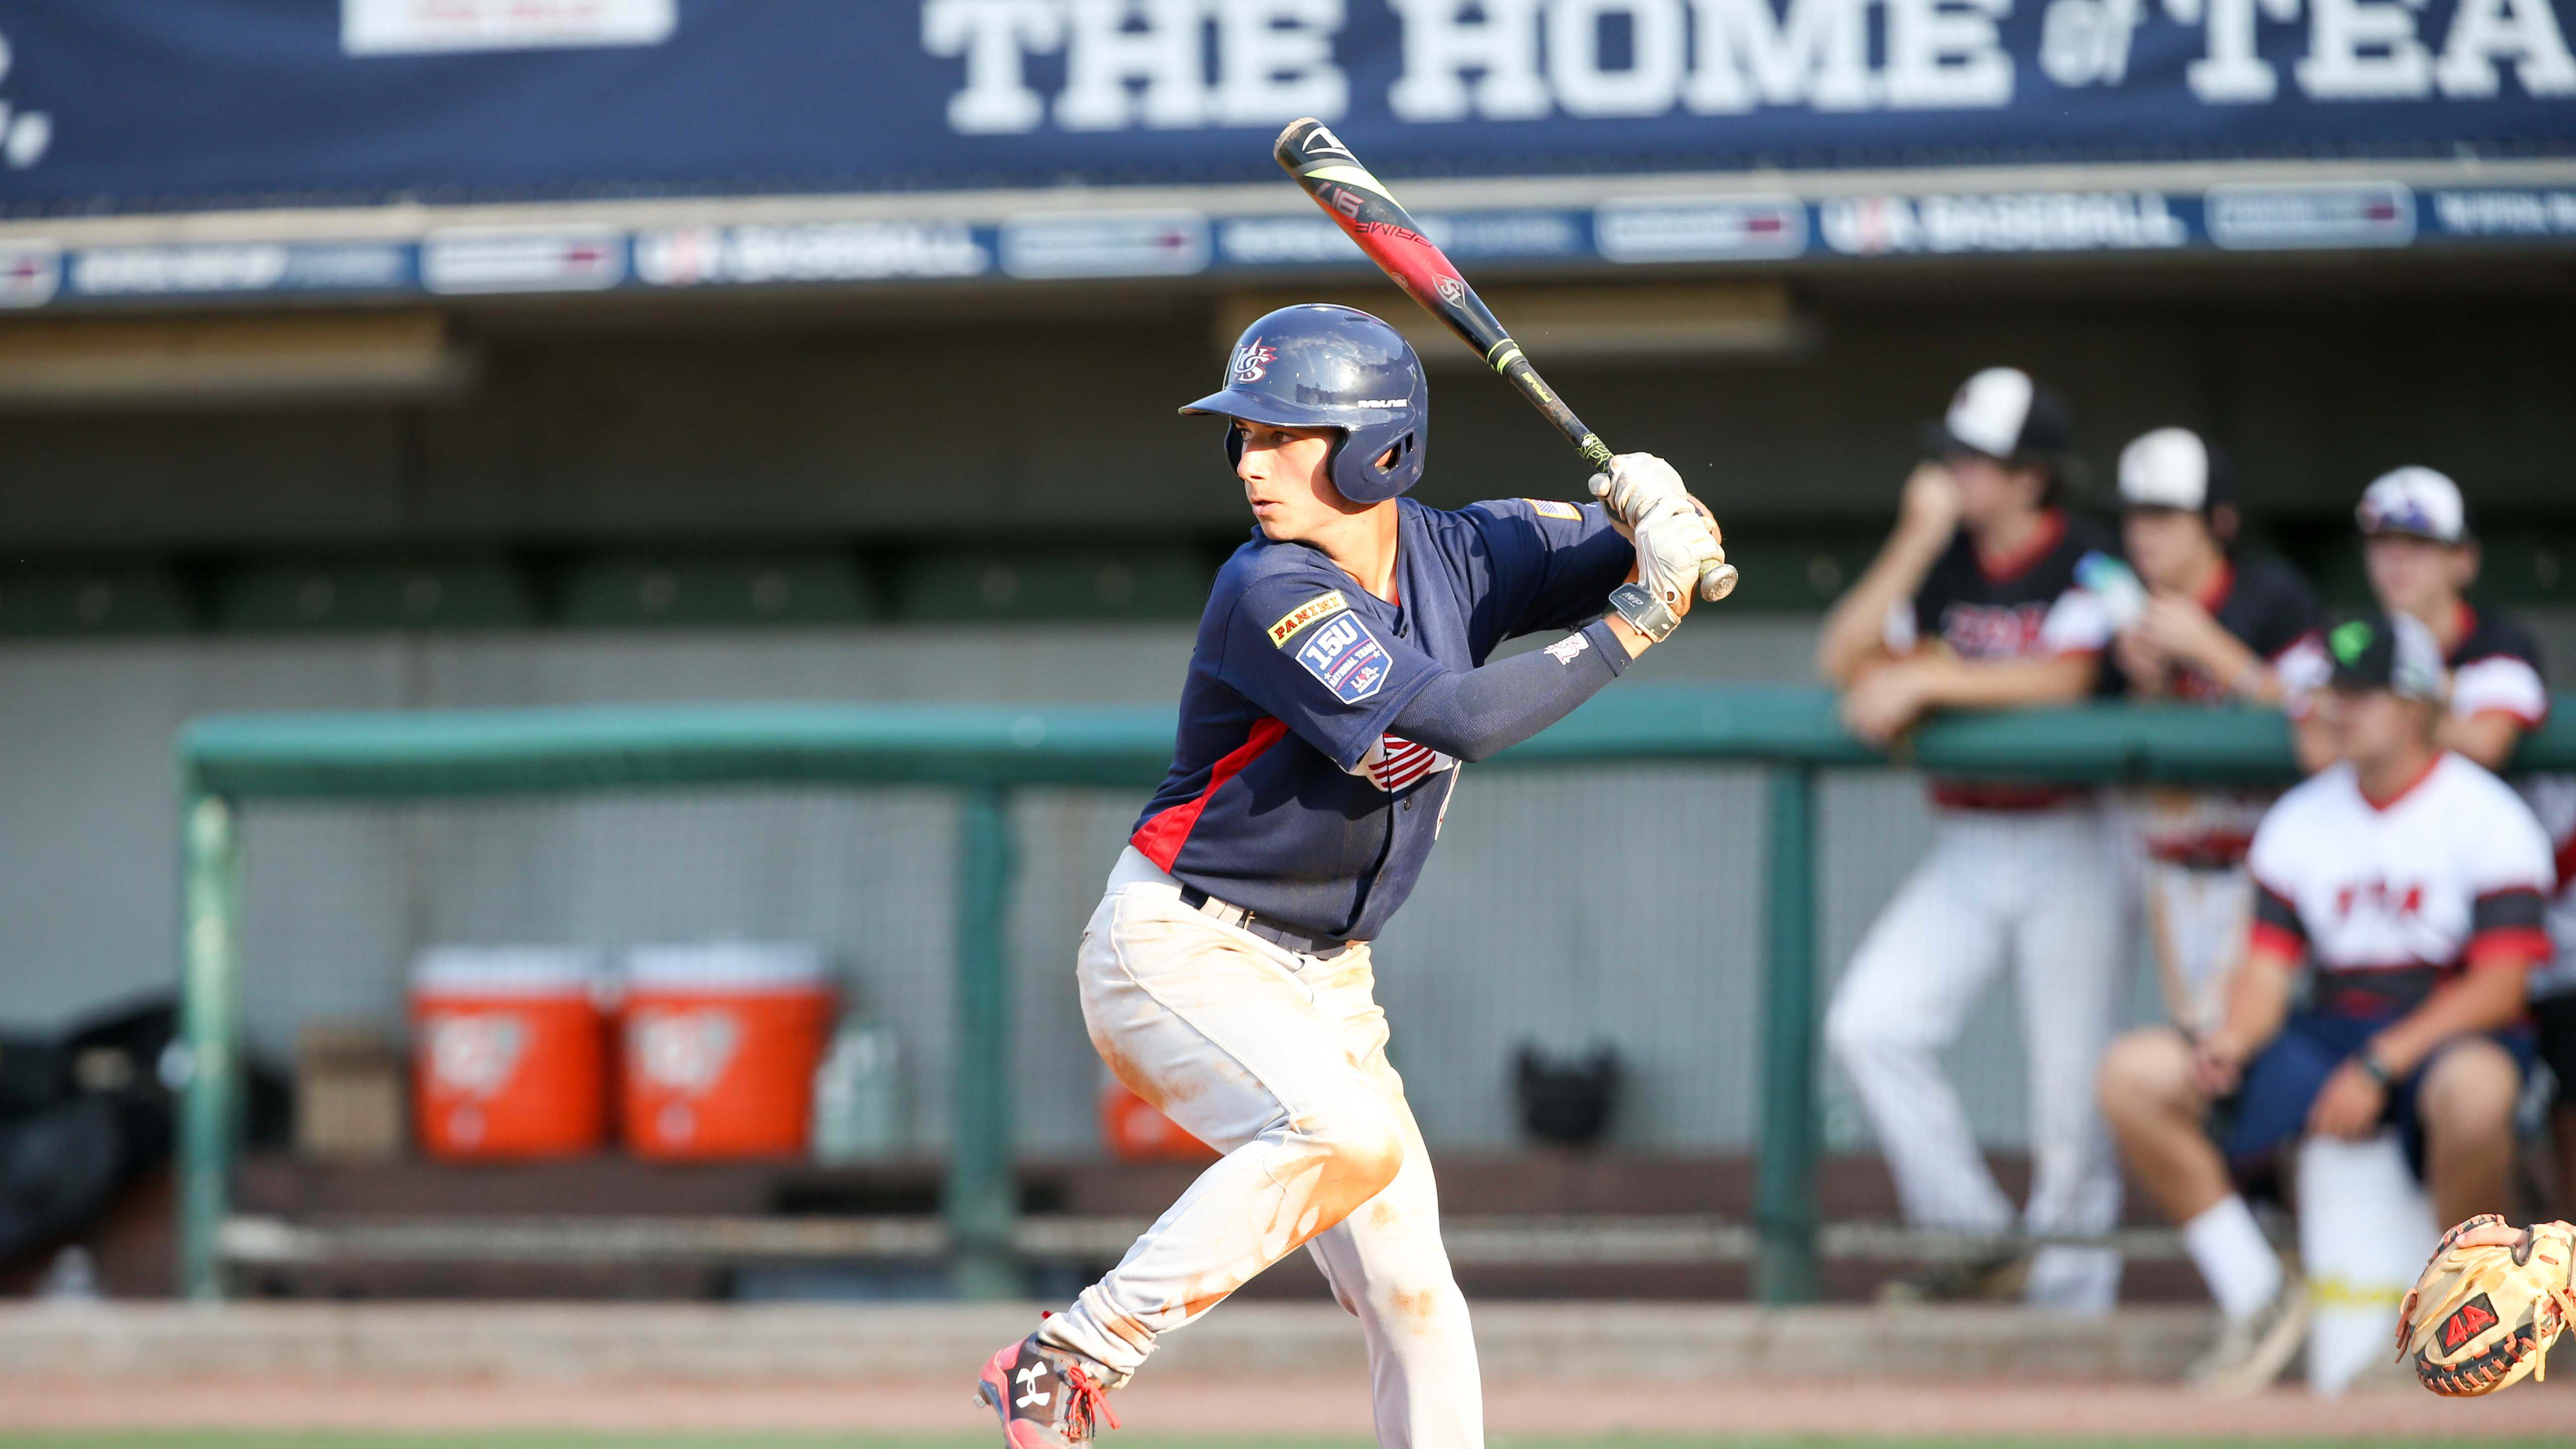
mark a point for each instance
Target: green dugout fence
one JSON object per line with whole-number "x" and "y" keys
{"x": 984, "y": 754}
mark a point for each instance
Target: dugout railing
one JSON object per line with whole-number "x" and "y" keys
{"x": 984, "y": 755}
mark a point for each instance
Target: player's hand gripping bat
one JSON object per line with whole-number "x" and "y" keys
{"x": 1362, "y": 206}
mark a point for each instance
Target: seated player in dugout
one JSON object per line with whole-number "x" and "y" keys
{"x": 1974, "y": 603}
{"x": 1339, "y": 679}
{"x": 2411, "y": 882}
{"x": 2213, "y": 627}
{"x": 2423, "y": 559}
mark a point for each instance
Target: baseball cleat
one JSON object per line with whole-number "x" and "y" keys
{"x": 1990, "y": 1277}
{"x": 1045, "y": 1397}
{"x": 2252, "y": 1351}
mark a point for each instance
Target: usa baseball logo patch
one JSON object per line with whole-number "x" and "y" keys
{"x": 1252, "y": 361}
{"x": 1305, "y": 614}
{"x": 1347, "y": 658}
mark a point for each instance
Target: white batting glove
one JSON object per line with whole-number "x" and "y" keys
{"x": 1674, "y": 543}
{"x": 1635, "y": 480}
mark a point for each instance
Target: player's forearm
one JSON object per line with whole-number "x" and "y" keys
{"x": 2227, "y": 660}
{"x": 1856, "y": 627}
{"x": 2487, "y": 738}
{"x": 2258, "y": 1002}
{"x": 1479, "y": 713}
{"x": 1953, "y": 683}
{"x": 2484, "y": 998}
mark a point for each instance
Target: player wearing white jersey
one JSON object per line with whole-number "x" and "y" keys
{"x": 2412, "y": 881}
{"x": 2423, "y": 558}
{"x": 1974, "y": 604}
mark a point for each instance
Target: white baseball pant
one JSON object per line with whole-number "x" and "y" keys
{"x": 1278, "y": 1060}
{"x": 2044, "y": 889}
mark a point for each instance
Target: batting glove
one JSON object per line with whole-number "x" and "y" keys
{"x": 1673, "y": 544}
{"x": 1634, "y": 481}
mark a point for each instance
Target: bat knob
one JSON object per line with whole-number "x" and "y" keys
{"x": 1717, "y": 581}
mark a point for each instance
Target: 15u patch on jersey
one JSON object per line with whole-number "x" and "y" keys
{"x": 1347, "y": 658}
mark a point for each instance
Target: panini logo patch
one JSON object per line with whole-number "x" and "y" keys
{"x": 1550, "y": 508}
{"x": 1305, "y": 614}
{"x": 1347, "y": 658}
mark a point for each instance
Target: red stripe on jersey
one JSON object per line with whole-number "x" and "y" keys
{"x": 2383, "y": 806}
{"x": 2508, "y": 945}
{"x": 1162, "y": 837}
{"x": 2280, "y": 941}
{"x": 1403, "y": 763}
{"x": 2005, "y": 568}
{"x": 2567, "y": 860}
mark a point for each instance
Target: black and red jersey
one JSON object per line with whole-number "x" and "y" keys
{"x": 2024, "y": 606}
{"x": 2027, "y": 605}
{"x": 2264, "y": 605}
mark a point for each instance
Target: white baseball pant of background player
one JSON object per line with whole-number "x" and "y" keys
{"x": 2044, "y": 889}
{"x": 1278, "y": 1060}
{"x": 2197, "y": 924}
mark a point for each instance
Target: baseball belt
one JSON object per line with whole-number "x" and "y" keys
{"x": 1304, "y": 943}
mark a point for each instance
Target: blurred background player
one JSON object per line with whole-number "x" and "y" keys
{"x": 2423, "y": 559}
{"x": 2413, "y": 880}
{"x": 1338, "y": 679}
{"x": 1973, "y": 603}
{"x": 2212, "y": 628}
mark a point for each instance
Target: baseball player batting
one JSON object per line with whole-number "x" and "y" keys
{"x": 1339, "y": 680}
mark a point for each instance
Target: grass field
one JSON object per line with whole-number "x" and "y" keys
{"x": 294, "y": 1440}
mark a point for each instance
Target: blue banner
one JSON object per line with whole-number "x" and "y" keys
{"x": 1666, "y": 231}
{"x": 110, "y": 105}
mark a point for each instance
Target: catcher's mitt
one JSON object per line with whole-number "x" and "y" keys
{"x": 2489, "y": 1305}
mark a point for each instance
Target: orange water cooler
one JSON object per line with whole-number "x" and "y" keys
{"x": 720, "y": 1043}
{"x": 509, "y": 1052}
{"x": 1135, "y": 1131}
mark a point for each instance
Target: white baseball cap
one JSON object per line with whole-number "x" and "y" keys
{"x": 2417, "y": 502}
{"x": 2002, "y": 413}
{"x": 2174, "y": 468}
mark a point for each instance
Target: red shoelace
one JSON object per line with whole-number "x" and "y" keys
{"x": 1085, "y": 1404}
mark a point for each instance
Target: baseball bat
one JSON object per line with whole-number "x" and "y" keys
{"x": 1361, "y": 206}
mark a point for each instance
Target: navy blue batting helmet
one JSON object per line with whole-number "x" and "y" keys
{"x": 1318, "y": 366}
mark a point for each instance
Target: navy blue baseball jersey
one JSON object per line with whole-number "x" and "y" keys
{"x": 1288, "y": 796}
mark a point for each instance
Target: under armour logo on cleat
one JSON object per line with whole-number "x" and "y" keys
{"x": 1028, "y": 1378}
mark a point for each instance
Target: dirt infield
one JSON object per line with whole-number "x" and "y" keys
{"x": 1335, "y": 1404}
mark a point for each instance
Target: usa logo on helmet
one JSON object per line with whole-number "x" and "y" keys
{"x": 1252, "y": 361}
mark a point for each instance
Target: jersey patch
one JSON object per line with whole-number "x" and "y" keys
{"x": 1347, "y": 658}
{"x": 1550, "y": 508}
{"x": 1305, "y": 614}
